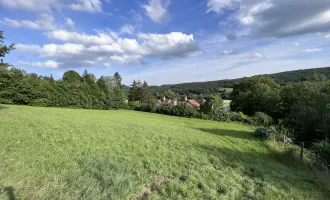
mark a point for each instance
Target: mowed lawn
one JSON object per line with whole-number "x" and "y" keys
{"x": 53, "y": 153}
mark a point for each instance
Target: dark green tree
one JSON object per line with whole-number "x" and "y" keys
{"x": 118, "y": 79}
{"x": 169, "y": 94}
{"x": 133, "y": 94}
{"x": 256, "y": 94}
{"x": 212, "y": 103}
{"x": 88, "y": 77}
{"x": 145, "y": 96}
{"x": 71, "y": 77}
{"x": 52, "y": 82}
{"x": 4, "y": 72}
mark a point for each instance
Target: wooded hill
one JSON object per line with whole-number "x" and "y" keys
{"x": 211, "y": 87}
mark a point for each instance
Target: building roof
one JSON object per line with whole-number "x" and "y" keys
{"x": 194, "y": 103}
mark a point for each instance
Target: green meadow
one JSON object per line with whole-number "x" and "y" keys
{"x": 55, "y": 153}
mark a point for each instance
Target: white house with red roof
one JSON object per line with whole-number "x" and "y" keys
{"x": 190, "y": 102}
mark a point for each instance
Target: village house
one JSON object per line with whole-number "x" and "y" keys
{"x": 175, "y": 102}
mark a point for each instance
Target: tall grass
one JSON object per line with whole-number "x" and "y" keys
{"x": 50, "y": 153}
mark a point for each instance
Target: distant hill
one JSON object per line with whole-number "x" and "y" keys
{"x": 211, "y": 87}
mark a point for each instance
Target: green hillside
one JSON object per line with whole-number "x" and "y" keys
{"x": 211, "y": 87}
{"x": 53, "y": 153}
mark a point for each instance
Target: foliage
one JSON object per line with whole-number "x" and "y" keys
{"x": 262, "y": 119}
{"x": 322, "y": 152}
{"x": 265, "y": 133}
{"x": 169, "y": 94}
{"x": 184, "y": 110}
{"x": 310, "y": 113}
{"x": 240, "y": 117}
{"x": 166, "y": 109}
{"x": 212, "y": 103}
{"x": 71, "y": 92}
{"x": 256, "y": 94}
{"x": 140, "y": 92}
{"x": 4, "y": 49}
{"x": 216, "y": 87}
{"x": 71, "y": 76}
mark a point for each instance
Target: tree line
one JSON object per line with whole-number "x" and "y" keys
{"x": 302, "y": 107}
{"x": 218, "y": 87}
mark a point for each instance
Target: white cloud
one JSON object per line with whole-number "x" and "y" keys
{"x": 313, "y": 50}
{"x": 225, "y": 52}
{"x": 75, "y": 37}
{"x": 157, "y": 11}
{"x": 126, "y": 59}
{"x": 50, "y": 50}
{"x": 48, "y": 64}
{"x": 175, "y": 44}
{"x": 108, "y": 47}
{"x": 91, "y": 6}
{"x": 220, "y": 5}
{"x": 127, "y": 28}
{"x": 69, "y": 23}
{"x": 31, "y": 5}
{"x": 45, "y": 22}
{"x": 275, "y": 18}
{"x": 258, "y": 55}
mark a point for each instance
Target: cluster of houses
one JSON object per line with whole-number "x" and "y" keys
{"x": 190, "y": 102}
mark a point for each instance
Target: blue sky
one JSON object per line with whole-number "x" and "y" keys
{"x": 167, "y": 41}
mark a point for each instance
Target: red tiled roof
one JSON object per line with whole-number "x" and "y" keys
{"x": 194, "y": 103}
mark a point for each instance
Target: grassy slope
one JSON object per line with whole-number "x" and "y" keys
{"x": 50, "y": 153}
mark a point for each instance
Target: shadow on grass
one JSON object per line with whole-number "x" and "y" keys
{"x": 9, "y": 191}
{"x": 263, "y": 169}
{"x": 228, "y": 133}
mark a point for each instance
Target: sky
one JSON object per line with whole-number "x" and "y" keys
{"x": 167, "y": 41}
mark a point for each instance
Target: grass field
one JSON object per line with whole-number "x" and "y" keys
{"x": 52, "y": 153}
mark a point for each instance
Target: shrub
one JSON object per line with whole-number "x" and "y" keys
{"x": 220, "y": 115}
{"x": 262, "y": 119}
{"x": 165, "y": 109}
{"x": 322, "y": 153}
{"x": 265, "y": 133}
{"x": 240, "y": 117}
{"x": 147, "y": 107}
{"x": 184, "y": 110}
{"x": 134, "y": 105}
{"x": 39, "y": 102}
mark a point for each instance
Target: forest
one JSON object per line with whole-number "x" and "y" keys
{"x": 214, "y": 87}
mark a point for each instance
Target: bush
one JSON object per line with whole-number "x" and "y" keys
{"x": 322, "y": 153}
{"x": 134, "y": 105}
{"x": 166, "y": 109}
{"x": 240, "y": 117}
{"x": 220, "y": 115}
{"x": 184, "y": 110}
{"x": 39, "y": 102}
{"x": 147, "y": 107}
{"x": 265, "y": 133}
{"x": 262, "y": 119}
